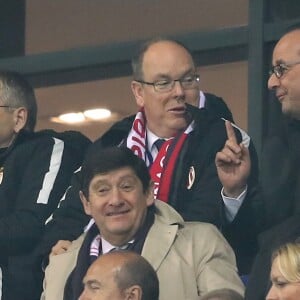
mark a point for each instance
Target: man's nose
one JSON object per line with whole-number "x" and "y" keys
{"x": 116, "y": 197}
{"x": 273, "y": 82}
{"x": 178, "y": 89}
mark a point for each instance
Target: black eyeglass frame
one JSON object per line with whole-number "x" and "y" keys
{"x": 280, "y": 69}
{"x": 156, "y": 84}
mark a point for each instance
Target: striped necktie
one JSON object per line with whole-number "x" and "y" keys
{"x": 158, "y": 143}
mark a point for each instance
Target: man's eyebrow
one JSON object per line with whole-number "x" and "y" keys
{"x": 91, "y": 281}
{"x": 189, "y": 71}
{"x": 128, "y": 177}
{"x": 167, "y": 76}
{"x": 162, "y": 75}
{"x": 279, "y": 62}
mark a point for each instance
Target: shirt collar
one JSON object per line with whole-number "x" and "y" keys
{"x": 152, "y": 138}
{"x": 107, "y": 247}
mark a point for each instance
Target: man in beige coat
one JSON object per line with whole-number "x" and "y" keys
{"x": 190, "y": 258}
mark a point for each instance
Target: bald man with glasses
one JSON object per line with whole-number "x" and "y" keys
{"x": 280, "y": 165}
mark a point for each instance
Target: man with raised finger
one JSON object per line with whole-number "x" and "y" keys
{"x": 280, "y": 163}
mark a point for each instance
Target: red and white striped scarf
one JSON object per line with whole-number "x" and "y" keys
{"x": 161, "y": 169}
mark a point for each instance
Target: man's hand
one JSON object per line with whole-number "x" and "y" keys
{"x": 60, "y": 247}
{"x": 233, "y": 164}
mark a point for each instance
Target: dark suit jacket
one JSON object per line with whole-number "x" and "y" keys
{"x": 280, "y": 179}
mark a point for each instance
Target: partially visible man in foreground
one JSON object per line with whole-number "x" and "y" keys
{"x": 190, "y": 258}
{"x": 120, "y": 275}
{"x": 35, "y": 170}
{"x": 222, "y": 294}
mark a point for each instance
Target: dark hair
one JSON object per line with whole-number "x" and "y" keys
{"x": 15, "y": 91}
{"x": 138, "y": 57}
{"x": 222, "y": 294}
{"x": 138, "y": 271}
{"x": 99, "y": 161}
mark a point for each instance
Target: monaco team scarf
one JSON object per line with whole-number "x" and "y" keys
{"x": 161, "y": 168}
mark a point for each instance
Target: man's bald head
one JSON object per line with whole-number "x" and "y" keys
{"x": 222, "y": 294}
{"x": 118, "y": 275}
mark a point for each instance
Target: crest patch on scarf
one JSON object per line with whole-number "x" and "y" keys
{"x": 191, "y": 178}
{"x": 1, "y": 174}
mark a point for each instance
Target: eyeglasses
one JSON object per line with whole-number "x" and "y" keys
{"x": 280, "y": 69}
{"x": 166, "y": 85}
{"x": 4, "y": 106}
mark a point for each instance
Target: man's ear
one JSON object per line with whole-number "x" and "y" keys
{"x": 150, "y": 194}
{"x": 20, "y": 115}
{"x": 85, "y": 203}
{"x": 133, "y": 293}
{"x": 138, "y": 93}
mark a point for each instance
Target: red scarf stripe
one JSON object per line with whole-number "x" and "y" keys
{"x": 167, "y": 172}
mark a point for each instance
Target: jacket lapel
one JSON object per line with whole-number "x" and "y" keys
{"x": 158, "y": 242}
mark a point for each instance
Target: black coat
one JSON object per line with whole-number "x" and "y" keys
{"x": 259, "y": 282}
{"x": 280, "y": 178}
{"x": 36, "y": 170}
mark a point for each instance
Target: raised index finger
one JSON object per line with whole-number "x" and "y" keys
{"x": 230, "y": 132}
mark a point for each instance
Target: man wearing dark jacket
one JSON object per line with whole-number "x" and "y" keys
{"x": 172, "y": 107}
{"x": 280, "y": 176}
{"x": 35, "y": 170}
{"x": 281, "y": 166}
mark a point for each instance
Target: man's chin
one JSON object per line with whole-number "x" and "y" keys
{"x": 286, "y": 111}
{"x": 291, "y": 114}
{"x": 180, "y": 123}
{"x": 119, "y": 228}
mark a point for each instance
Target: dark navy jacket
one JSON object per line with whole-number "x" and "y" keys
{"x": 35, "y": 172}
